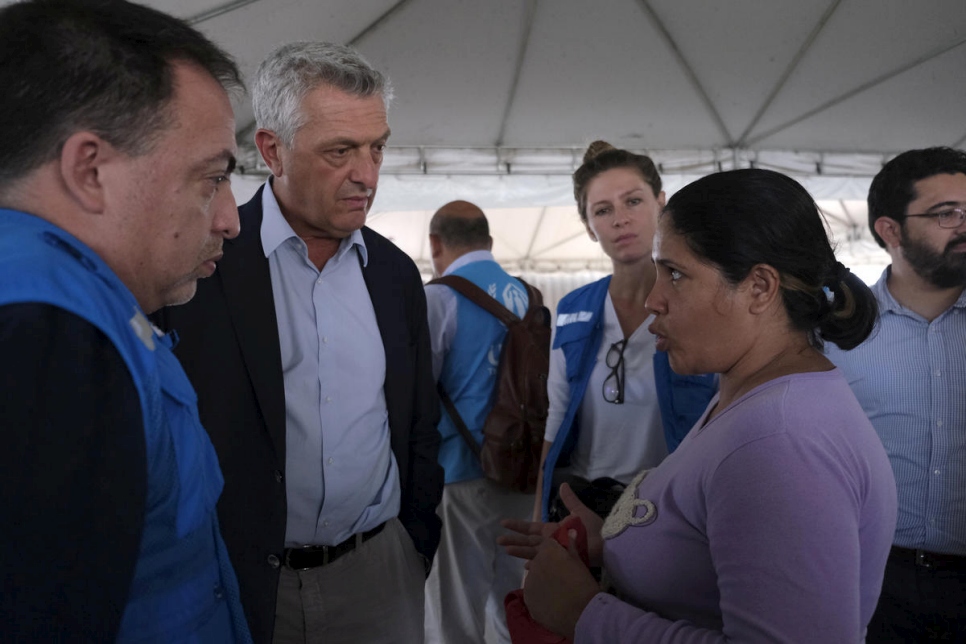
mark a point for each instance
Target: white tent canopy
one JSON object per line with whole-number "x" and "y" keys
{"x": 496, "y": 100}
{"x": 491, "y": 83}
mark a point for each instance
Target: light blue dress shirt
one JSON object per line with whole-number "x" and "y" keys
{"x": 910, "y": 378}
{"x": 341, "y": 475}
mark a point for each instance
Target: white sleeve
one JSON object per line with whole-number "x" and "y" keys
{"x": 558, "y": 391}
{"x": 441, "y": 315}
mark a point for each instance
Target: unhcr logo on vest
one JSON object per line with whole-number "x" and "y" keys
{"x": 515, "y": 299}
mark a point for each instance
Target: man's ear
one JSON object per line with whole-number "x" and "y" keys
{"x": 764, "y": 287}
{"x": 82, "y": 161}
{"x": 889, "y": 230}
{"x": 435, "y": 246}
{"x": 269, "y": 145}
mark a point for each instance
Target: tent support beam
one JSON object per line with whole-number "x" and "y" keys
{"x": 804, "y": 49}
{"x": 834, "y": 217}
{"x": 959, "y": 144}
{"x": 688, "y": 71}
{"x": 531, "y": 10}
{"x": 878, "y": 80}
{"x": 372, "y": 26}
{"x": 219, "y": 10}
{"x": 563, "y": 241}
{"x": 352, "y": 43}
{"x": 536, "y": 233}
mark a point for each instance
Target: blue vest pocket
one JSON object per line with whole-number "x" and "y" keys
{"x": 199, "y": 475}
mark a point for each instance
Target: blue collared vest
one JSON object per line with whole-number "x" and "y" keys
{"x": 469, "y": 370}
{"x": 580, "y": 329}
{"x": 184, "y": 588}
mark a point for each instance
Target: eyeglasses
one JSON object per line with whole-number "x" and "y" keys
{"x": 613, "y": 388}
{"x": 946, "y": 218}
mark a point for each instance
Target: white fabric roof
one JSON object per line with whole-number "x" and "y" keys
{"x": 742, "y": 76}
{"x": 497, "y": 99}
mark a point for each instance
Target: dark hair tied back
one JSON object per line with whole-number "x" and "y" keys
{"x": 736, "y": 220}
{"x": 596, "y": 149}
{"x": 845, "y": 308}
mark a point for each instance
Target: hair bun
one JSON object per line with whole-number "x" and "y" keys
{"x": 596, "y": 149}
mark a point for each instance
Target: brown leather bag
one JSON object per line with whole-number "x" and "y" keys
{"x": 513, "y": 430}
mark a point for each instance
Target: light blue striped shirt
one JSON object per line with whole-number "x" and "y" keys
{"x": 910, "y": 378}
{"x": 340, "y": 472}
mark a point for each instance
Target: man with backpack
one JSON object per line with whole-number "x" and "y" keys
{"x": 477, "y": 376}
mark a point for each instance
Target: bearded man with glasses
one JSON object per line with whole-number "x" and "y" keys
{"x": 910, "y": 378}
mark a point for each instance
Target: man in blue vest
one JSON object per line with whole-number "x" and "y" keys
{"x": 114, "y": 200}
{"x": 472, "y": 574}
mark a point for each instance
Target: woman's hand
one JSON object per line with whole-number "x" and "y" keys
{"x": 591, "y": 520}
{"x": 530, "y": 534}
{"x": 559, "y": 586}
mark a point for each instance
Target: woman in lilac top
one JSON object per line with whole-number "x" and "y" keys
{"x": 773, "y": 519}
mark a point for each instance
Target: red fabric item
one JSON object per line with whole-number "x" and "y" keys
{"x": 523, "y": 629}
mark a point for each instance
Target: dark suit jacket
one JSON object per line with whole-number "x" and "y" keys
{"x": 229, "y": 347}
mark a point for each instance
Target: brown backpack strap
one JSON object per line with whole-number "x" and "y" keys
{"x": 477, "y": 296}
{"x": 457, "y": 419}
{"x": 481, "y": 298}
{"x": 534, "y": 297}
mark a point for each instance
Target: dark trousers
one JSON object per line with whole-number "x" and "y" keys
{"x": 920, "y": 604}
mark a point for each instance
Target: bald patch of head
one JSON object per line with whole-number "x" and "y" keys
{"x": 461, "y": 224}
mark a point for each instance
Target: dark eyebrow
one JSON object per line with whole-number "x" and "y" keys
{"x": 945, "y": 204}
{"x": 351, "y": 143}
{"x": 226, "y": 157}
{"x": 620, "y": 196}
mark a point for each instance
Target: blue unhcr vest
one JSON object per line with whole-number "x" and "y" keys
{"x": 469, "y": 370}
{"x": 184, "y": 588}
{"x": 580, "y": 329}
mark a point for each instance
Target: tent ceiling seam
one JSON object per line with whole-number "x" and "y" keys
{"x": 878, "y": 80}
{"x": 799, "y": 55}
{"x": 352, "y": 42}
{"x": 565, "y": 240}
{"x": 376, "y": 23}
{"x": 219, "y": 10}
{"x": 834, "y": 217}
{"x": 536, "y": 233}
{"x": 688, "y": 70}
{"x": 521, "y": 57}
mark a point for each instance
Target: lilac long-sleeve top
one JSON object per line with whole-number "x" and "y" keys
{"x": 772, "y": 522}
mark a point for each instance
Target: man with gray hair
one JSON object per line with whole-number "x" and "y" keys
{"x": 311, "y": 355}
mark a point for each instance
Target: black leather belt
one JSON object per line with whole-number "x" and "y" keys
{"x": 926, "y": 559}
{"x": 314, "y": 556}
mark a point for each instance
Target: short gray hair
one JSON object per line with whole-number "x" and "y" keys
{"x": 290, "y": 72}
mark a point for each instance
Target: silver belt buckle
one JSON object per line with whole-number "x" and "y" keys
{"x": 921, "y": 559}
